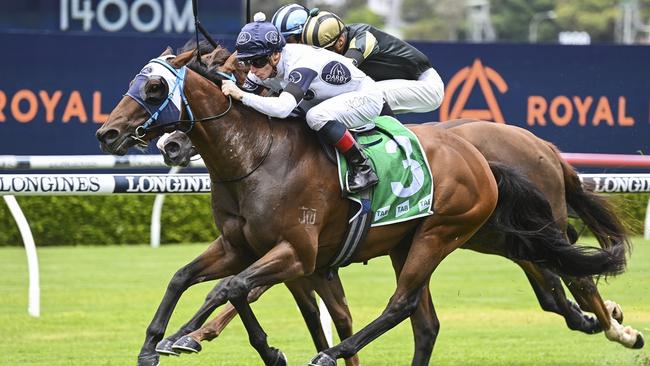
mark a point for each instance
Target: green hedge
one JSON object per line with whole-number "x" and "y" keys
{"x": 119, "y": 219}
{"x": 106, "y": 220}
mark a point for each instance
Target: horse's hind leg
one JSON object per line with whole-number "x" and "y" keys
{"x": 432, "y": 242}
{"x": 332, "y": 294}
{"x": 551, "y": 296}
{"x": 586, "y": 293}
{"x": 424, "y": 320}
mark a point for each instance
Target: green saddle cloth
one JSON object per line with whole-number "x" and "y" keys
{"x": 405, "y": 188}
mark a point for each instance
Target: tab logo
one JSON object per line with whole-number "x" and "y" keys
{"x": 402, "y": 209}
{"x": 425, "y": 203}
{"x": 381, "y": 213}
{"x": 461, "y": 86}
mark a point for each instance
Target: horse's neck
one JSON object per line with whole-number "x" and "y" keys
{"x": 232, "y": 145}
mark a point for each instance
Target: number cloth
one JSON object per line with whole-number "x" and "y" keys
{"x": 405, "y": 188}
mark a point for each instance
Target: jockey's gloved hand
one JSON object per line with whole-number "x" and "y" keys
{"x": 230, "y": 88}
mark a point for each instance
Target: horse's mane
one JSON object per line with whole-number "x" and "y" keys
{"x": 211, "y": 59}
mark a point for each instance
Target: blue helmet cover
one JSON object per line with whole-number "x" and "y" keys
{"x": 258, "y": 39}
{"x": 290, "y": 19}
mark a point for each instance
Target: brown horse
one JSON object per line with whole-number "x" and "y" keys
{"x": 539, "y": 161}
{"x": 259, "y": 186}
{"x": 510, "y": 145}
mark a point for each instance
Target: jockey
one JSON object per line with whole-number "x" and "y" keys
{"x": 290, "y": 19}
{"x": 326, "y": 87}
{"x": 404, "y": 74}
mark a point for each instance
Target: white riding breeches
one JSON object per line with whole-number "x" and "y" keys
{"x": 354, "y": 109}
{"x": 422, "y": 95}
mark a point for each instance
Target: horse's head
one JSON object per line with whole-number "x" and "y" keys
{"x": 176, "y": 148}
{"x": 153, "y": 103}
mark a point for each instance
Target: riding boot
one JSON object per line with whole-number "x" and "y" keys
{"x": 361, "y": 174}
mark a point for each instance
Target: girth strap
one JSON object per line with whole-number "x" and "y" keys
{"x": 356, "y": 232}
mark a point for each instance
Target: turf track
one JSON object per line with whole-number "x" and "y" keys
{"x": 97, "y": 301}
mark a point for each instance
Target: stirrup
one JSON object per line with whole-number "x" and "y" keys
{"x": 371, "y": 180}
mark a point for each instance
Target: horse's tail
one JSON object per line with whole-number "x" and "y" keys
{"x": 596, "y": 213}
{"x": 525, "y": 217}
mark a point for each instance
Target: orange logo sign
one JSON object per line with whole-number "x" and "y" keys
{"x": 468, "y": 77}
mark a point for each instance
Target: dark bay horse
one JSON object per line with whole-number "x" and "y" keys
{"x": 259, "y": 186}
{"x": 542, "y": 163}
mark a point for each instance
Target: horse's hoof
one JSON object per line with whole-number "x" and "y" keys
{"x": 322, "y": 359}
{"x": 149, "y": 360}
{"x": 280, "y": 358}
{"x": 164, "y": 348}
{"x": 639, "y": 342}
{"x": 187, "y": 344}
{"x": 614, "y": 310}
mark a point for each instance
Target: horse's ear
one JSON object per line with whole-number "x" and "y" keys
{"x": 182, "y": 59}
{"x": 240, "y": 69}
{"x": 168, "y": 51}
{"x": 239, "y": 66}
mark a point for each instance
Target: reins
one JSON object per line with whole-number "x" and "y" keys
{"x": 141, "y": 131}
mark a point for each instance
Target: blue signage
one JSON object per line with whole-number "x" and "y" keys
{"x": 592, "y": 99}
{"x": 123, "y": 16}
{"x": 58, "y": 88}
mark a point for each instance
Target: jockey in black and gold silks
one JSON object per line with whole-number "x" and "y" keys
{"x": 406, "y": 78}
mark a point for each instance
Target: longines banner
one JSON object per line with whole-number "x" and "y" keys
{"x": 83, "y": 184}
{"x": 57, "y": 88}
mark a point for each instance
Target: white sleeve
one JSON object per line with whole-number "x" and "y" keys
{"x": 279, "y": 107}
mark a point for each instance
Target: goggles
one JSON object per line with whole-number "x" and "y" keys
{"x": 257, "y": 62}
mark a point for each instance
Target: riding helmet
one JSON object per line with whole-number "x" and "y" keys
{"x": 258, "y": 39}
{"x": 322, "y": 28}
{"x": 290, "y": 19}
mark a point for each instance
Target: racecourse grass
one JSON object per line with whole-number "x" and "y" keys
{"x": 97, "y": 302}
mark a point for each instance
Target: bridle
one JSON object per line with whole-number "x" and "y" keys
{"x": 151, "y": 125}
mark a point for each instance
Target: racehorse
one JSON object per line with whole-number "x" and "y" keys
{"x": 538, "y": 160}
{"x": 259, "y": 186}
{"x": 542, "y": 163}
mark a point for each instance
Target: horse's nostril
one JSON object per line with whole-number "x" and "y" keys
{"x": 172, "y": 148}
{"x": 109, "y": 136}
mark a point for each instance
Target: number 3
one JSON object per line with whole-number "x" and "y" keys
{"x": 416, "y": 169}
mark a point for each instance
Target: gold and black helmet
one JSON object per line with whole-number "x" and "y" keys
{"x": 322, "y": 28}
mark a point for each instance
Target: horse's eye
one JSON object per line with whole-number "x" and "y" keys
{"x": 156, "y": 92}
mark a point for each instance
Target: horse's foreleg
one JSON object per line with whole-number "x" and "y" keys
{"x": 303, "y": 294}
{"x": 586, "y": 293}
{"x": 213, "y": 329}
{"x": 183, "y": 342}
{"x": 280, "y": 264}
{"x": 333, "y": 296}
{"x": 214, "y": 263}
